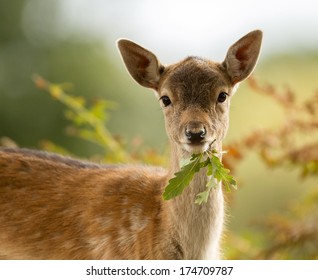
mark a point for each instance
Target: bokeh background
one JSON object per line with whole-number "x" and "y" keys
{"x": 74, "y": 41}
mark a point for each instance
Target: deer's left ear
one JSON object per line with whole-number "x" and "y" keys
{"x": 242, "y": 56}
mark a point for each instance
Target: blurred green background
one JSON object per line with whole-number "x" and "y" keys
{"x": 74, "y": 41}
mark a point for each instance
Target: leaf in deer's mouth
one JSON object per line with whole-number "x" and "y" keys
{"x": 182, "y": 178}
{"x": 215, "y": 171}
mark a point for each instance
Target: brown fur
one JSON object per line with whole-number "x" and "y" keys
{"x": 62, "y": 204}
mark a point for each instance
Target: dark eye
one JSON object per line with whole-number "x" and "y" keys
{"x": 165, "y": 100}
{"x": 222, "y": 97}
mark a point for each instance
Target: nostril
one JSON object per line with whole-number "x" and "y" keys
{"x": 203, "y": 133}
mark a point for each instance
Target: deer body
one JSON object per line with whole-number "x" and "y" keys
{"x": 52, "y": 207}
{"x": 92, "y": 214}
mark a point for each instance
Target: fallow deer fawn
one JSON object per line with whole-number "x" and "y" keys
{"x": 53, "y": 207}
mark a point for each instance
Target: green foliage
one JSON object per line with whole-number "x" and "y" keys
{"x": 89, "y": 122}
{"x": 32, "y": 40}
{"x": 183, "y": 177}
{"x": 215, "y": 172}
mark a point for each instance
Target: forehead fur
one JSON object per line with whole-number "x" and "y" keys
{"x": 193, "y": 77}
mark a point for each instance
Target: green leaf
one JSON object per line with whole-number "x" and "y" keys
{"x": 222, "y": 174}
{"x": 182, "y": 178}
{"x": 202, "y": 197}
{"x": 215, "y": 170}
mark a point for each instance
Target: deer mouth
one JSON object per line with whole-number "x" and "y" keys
{"x": 199, "y": 147}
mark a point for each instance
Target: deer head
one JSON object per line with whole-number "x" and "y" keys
{"x": 195, "y": 93}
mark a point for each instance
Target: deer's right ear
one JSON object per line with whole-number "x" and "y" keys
{"x": 142, "y": 64}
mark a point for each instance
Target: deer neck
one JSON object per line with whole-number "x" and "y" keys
{"x": 197, "y": 227}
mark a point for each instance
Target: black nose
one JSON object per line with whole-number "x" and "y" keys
{"x": 195, "y": 133}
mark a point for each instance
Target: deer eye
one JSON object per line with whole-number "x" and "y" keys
{"x": 222, "y": 97}
{"x": 165, "y": 100}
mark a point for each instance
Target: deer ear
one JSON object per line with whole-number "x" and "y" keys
{"x": 242, "y": 56}
{"x": 142, "y": 64}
